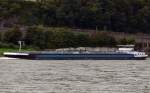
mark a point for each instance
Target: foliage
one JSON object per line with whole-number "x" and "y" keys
{"x": 63, "y": 38}
{"x": 125, "y": 41}
{"x": 7, "y": 45}
{"x": 117, "y": 15}
{"x": 13, "y": 36}
{"x": 35, "y": 36}
{"x": 102, "y": 39}
{"x": 54, "y": 38}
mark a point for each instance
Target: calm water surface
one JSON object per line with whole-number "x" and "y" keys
{"x": 87, "y": 76}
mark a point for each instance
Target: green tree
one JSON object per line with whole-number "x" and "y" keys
{"x": 13, "y": 36}
{"x": 82, "y": 40}
{"x": 102, "y": 40}
{"x": 35, "y": 36}
{"x": 125, "y": 41}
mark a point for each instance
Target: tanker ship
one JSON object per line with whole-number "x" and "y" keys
{"x": 124, "y": 52}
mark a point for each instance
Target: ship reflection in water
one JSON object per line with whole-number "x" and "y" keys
{"x": 124, "y": 52}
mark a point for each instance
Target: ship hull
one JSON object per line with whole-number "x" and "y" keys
{"x": 67, "y": 56}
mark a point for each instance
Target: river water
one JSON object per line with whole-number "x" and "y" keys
{"x": 71, "y": 76}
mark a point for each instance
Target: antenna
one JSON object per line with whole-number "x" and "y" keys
{"x": 20, "y": 45}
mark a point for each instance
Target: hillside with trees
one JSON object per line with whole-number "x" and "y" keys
{"x": 115, "y": 15}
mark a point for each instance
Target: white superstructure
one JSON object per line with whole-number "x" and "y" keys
{"x": 129, "y": 49}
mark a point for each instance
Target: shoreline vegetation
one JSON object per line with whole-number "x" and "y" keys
{"x": 39, "y": 37}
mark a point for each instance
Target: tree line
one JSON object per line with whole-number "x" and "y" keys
{"x": 40, "y": 37}
{"x": 116, "y": 15}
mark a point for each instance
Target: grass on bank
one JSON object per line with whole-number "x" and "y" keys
{"x": 2, "y": 50}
